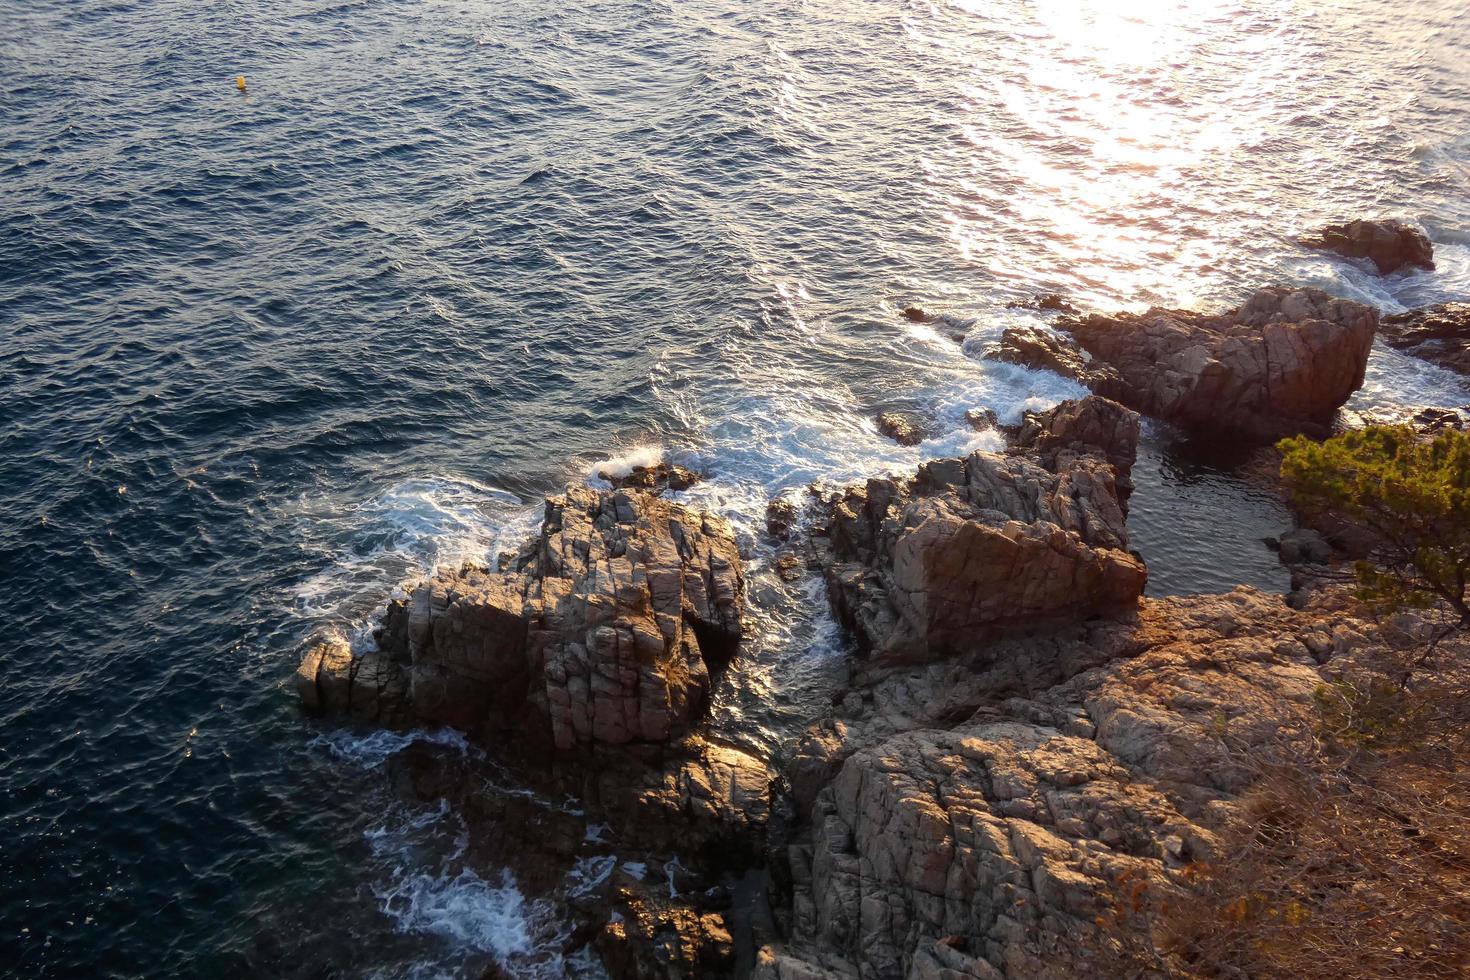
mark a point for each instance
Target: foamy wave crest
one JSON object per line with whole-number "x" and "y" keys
{"x": 410, "y": 528}
{"x": 621, "y": 465}
{"x": 373, "y": 749}
{"x": 427, "y": 889}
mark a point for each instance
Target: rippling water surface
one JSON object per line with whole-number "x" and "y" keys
{"x": 268, "y": 353}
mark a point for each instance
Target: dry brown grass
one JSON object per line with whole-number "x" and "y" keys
{"x": 1350, "y": 856}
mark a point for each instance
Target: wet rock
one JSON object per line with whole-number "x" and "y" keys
{"x": 901, "y": 427}
{"x": 915, "y": 314}
{"x": 1390, "y": 244}
{"x": 367, "y": 688}
{"x": 1280, "y": 364}
{"x": 789, "y": 566}
{"x": 1431, "y": 420}
{"x": 658, "y": 478}
{"x": 604, "y": 633}
{"x": 649, "y": 939}
{"x": 1304, "y": 545}
{"x": 970, "y": 548}
{"x": 1438, "y": 334}
{"x": 781, "y": 517}
{"x": 1041, "y": 350}
{"x": 1043, "y": 302}
{"x": 982, "y": 419}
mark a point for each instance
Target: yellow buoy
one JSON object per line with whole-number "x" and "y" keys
{"x": 240, "y": 82}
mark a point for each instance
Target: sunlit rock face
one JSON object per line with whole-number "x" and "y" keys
{"x": 1281, "y": 364}
{"x": 1391, "y": 245}
{"x": 604, "y": 632}
{"x": 971, "y": 548}
{"x": 948, "y": 832}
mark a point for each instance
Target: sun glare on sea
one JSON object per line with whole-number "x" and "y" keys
{"x": 1102, "y": 116}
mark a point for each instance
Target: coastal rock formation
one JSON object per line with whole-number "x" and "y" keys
{"x": 1041, "y": 349}
{"x": 902, "y": 428}
{"x": 1391, "y": 244}
{"x": 1280, "y": 364}
{"x": 1438, "y": 334}
{"x": 970, "y": 548}
{"x": 658, "y": 478}
{"x": 1092, "y": 426}
{"x": 1043, "y": 303}
{"x": 603, "y": 633}
{"x": 951, "y": 832}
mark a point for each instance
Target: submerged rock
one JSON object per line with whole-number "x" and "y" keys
{"x": 1438, "y": 334}
{"x": 604, "y": 633}
{"x": 970, "y": 548}
{"x": 1391, "y": 244}
{"x": 1280, "y": 364}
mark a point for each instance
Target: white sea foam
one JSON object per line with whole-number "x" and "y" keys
{"x": 425, "y": 887}
{"x": 407, "y": 529}
{"x": 589, "y": 873}
{"x": 371, "y": 750}
{"x": 623, "y": 464}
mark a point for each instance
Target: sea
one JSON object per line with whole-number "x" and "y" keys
{"x": 271, "y": 351}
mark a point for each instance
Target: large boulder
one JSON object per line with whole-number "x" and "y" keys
{"x": 972, "y": 548}
{"x": 1280, "y": 364}
{"x": 603, "y": 632}
{"x": 1391, "y": 244}
{"x": 1439, "y": 334}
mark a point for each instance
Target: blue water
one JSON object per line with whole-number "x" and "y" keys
{"x": 268, "y": 353}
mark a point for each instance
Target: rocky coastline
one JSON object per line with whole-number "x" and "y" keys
{"x": 1024, "y": 735}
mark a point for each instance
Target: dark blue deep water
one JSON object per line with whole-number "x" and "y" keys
{"x": 267, "y": 353}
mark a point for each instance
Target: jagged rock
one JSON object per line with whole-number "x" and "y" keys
{"x": 1391, "y": 244}
{"x": 901, "y": 428}
{"x": 658, "y": 478}
{"x": 604, "y": 633}
{"x": 946, "y": 830}
{"x": 915, "y": 314}
{"x": 648, "y": 939}
{"x": 1092, "y": 426}
{"x": 982, "y": 419}
{"x": 781, "y": 517}
{"x": 1044, "y": 302}
{"x": 974, "y": 547}
{"x": 1282, "y": 363}
{"x": 1041, "y": 350}
{"x": 1438, "y": 334}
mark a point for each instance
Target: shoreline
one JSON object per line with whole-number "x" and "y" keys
{"x": 749, "y": 808}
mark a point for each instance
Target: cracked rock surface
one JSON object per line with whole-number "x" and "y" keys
{"x": 972, "y": 548}
{"x": 604, "y": 632}
{"x": 1280, "y": 364}
{"x": 946, "y": 830}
